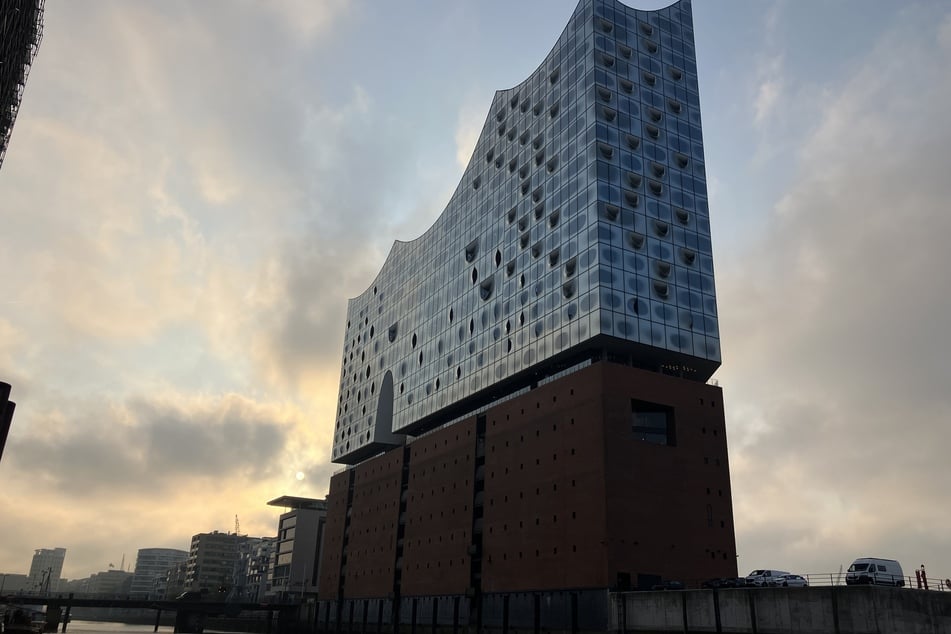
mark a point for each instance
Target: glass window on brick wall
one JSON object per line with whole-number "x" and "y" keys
{"x": 652, "y": 422}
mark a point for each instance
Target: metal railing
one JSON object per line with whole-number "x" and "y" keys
{"x": 823, "y": 579}
{"x": 911, "y": 581}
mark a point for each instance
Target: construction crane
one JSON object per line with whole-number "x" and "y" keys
{"x": 237, "y": 525}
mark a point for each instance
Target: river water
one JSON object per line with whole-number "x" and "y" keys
{"x": 105, "y": 627}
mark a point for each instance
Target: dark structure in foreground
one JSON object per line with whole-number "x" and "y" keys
{"x": 523, "y": 401}
{"x": 6, "y": 414}
{"x": 21, "y": 29}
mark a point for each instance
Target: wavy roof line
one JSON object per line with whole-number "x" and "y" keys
{"x": 399, "y": 246}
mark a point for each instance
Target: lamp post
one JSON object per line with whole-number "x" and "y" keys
{"x": 47, "y": 574}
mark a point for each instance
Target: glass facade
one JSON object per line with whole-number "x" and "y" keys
{"x": 151, "y": 565}
{"x": 581, "y": 218}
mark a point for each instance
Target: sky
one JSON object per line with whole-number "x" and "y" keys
{"x": 193, "y": 190}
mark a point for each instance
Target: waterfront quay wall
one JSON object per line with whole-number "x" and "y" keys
{"x": 820, "y": 610}
{"x": 828, "y": 610}
{"x": 509, "y": 613}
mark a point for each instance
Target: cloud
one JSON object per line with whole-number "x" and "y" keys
{"x": 944, "y": 33}
{"x": 770, "y": 90}
{"x": 91, "y": 449}
{"x": 217, "y": 178}
{"x": 304, "y": 19}
{"x": 187, "y": 224}
{"x": 150, "y": 218}
{"x": 835, "y": 343}
{"x": 369, "y": 182}
{"x": 188, "y": 204}
{"x": 767, "y": 96}
{"x": 468, "y": 129}
{"x": 149, "y": 471}
{"x": 769, "y": 76}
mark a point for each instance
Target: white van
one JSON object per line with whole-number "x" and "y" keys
{"x": 871, "y": 570}
{"x": 765, "y": 577}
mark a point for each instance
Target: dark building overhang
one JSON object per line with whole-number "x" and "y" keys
{"x": 293, "y": 502}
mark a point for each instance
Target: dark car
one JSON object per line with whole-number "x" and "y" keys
{"x": 792, "y": 581}
{"x": 723, "y": 582}
{"x": 668, "y": 585}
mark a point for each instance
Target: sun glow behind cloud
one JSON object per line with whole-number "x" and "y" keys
{"x": 140, "y": 336}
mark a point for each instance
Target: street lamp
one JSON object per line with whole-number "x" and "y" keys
{"x": 47, "y": 574}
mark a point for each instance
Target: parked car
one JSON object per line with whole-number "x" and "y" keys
{"x": 721, "y": 582}
{"x": 792, "y": 581}
{"x": 669, "y": 585}
{"x": 872, "y": 570}
{"x": 763, "y": 578}
{"x": 725, "y": 582}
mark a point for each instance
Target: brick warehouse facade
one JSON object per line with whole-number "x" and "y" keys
{"x": 544, "y": 492}
{"x": 524, "y": 407}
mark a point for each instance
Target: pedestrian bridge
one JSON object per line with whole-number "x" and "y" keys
{"x": 190, "y": 615}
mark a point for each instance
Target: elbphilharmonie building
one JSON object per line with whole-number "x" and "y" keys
{"x": 523, "y": 400}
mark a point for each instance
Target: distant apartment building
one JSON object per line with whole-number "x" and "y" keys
{"x": 300, "y": 534}
{"x": 73, "y": 586}
{"x": 13, "y": 583}
{"x": 174, "y": 582}
{"x": 214, "y": 561}
{"x": 46, "y": 569}
{"x": 109, "y": 583}
{"x": 152, "y": 564}
{"x": 248, "y": 569}
{"x": 258, "y": 561}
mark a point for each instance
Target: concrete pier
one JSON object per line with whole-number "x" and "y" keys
{"x": 828, "y": 610}
{"x": 818, "y": 610}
